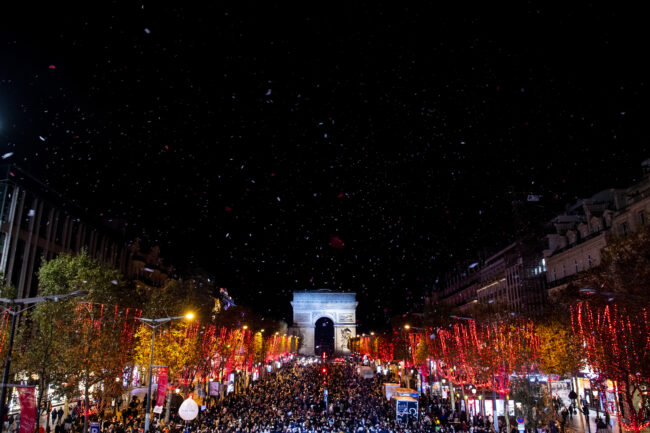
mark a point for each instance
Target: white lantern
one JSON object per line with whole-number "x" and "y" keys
{"x": 188, "y": 410}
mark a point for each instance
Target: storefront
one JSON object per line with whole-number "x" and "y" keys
{"x": 597, "y": 395}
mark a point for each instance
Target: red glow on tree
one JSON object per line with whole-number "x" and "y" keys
{"x": 617, "y": 346}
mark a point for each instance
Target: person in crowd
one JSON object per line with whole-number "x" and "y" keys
{"x": 291, "y": 400}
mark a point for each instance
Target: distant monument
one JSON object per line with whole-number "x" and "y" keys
{"x": 339, "y": 307}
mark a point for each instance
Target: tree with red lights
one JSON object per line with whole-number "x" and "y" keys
{"x": 93, "y": 339}
{"x": 617, "y": 346}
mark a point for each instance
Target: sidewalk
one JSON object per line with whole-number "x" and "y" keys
{"x": 577, "y": 424}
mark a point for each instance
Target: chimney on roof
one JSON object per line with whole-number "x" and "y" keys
{"x": 645, "y": 166}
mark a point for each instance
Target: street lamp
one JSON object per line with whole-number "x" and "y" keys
{"x": 153, "y": 324}
{"x": 407, "y": 327}
{"x": 26, "y": 303}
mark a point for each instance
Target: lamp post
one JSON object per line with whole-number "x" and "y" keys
{"x": 153, "y": 324}
{"x": 26, "y": 304}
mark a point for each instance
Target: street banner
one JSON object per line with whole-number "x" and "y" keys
{"x": 214, "y": 388}
{"x": 162, "y": 386}
{"x": 27, "y": 398}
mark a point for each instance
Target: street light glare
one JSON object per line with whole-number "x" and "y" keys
{"x": 189, "y": 316}
{"x": 407, "y": 326}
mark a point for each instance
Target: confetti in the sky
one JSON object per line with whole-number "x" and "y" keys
{"x": 216, "y": 138}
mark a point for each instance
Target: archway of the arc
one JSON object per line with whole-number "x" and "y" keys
{"x": 309, "y": 307}
{"x": 324, "y": 336}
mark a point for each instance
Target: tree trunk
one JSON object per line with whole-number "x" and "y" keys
{"x": 550, "y": 394}
{"x": 618, "y": 407}
{"x": 495, "y": 416}
{"x": 462, "y": 399}
{"x": 65, "y": 407}
{"x": 506, "y": 411}
{"x": 452, "y": 396}
{"x": 87, "y": 404}
{"x": 169, "y": 404}
{"x": 39, "y": 403}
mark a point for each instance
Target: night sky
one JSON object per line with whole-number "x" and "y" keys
{"x": 364, "y": 148}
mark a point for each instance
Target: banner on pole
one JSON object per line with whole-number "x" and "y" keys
{"x": 214, "y": 388}
{"x": 162, "y": 385}
{"x": 27, "y": 398}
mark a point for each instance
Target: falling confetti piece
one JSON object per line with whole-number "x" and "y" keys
{"x": 7, "y": 155}
{"x": 336, "y": 242}
{"x": 51, "y": 67}
{"x": 147, "y": 31}
{"x": 41, "y": 137}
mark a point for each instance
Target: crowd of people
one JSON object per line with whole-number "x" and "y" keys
{"x": 292, "y": 400}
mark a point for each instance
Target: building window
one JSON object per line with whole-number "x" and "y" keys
{"x": 563, "y": 270}
{"x": 642, "y": 218}
{"x": 575, "y": 265}
{"x": 554, "y": 275}
{"x": 588, "y": 260}
{"x": 624, "y": 228}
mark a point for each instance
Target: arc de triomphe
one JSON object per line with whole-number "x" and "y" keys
{"x": 340, "y": 307}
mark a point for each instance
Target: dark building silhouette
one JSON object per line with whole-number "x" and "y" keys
{"x": 37, "y": 223}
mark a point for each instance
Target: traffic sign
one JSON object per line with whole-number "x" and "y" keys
{"x": 94, "y": 427}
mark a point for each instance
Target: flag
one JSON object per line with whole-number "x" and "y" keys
{"x": 162, "y": 385}
{"x": 27, "y": 398}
